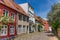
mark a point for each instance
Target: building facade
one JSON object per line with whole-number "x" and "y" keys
{"x": 24, "y": 19}
{"x": 22, "y": 24}
{"x": 37, "y": 22}
{"x": 30, "y": 11}
{"x": 45, "y": 24}
{"x": 8, "y": 30}
{"x": 15, "y": 12}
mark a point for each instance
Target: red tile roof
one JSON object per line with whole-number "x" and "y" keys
{"x": 36, "y": 18}
{"x": 11, "y": 4}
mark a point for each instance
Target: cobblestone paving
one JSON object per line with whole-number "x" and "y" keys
{"x": 36, "y": 36}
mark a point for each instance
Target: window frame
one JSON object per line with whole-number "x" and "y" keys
{"x": 4, "y": 28}
{"x": 6, "y": 14}
{"x": 19, "y": 28}
{"x": 20, "y": 16}
{"x": 12, "y": 16}
{"x": 12, "y": 27}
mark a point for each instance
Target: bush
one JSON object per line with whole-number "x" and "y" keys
{"x": 39, "y": 27}
{"x": 55, "y": 26}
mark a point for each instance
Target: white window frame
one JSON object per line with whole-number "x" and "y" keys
{"x": 11, "y": 33}
{"x": 5, "y": 12}
{"x": 19, "y": 29}
{"x": 12, "y": 16}
{"x": 4, "y": 30}
{"x": 24, "y": 28}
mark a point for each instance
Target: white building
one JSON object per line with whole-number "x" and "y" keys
{"x": 30, "y": 11}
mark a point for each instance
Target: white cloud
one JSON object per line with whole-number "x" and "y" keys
{"x": 45, "y": 18}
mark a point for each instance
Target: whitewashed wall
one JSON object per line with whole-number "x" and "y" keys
{"x": 26, "y": 7}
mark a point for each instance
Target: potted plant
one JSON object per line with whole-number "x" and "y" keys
{"x": 11, "y": 21}
{"x": 4, "y": 19}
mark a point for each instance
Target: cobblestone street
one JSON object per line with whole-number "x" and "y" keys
{"x": 36, "y": 36}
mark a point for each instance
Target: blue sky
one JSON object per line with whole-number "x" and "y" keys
{"x": 41, "y": 7}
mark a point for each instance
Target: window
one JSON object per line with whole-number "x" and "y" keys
{"x": 20, "y": 17}
{"x": 12, "y": 15}
{"x": 11, "y": 29}
{"x": 24, "y": 18}
{"x": 19, "y": 28}
{"x": 24, "y": 30}
{"x": 27, "y": 27}
{"x": 27, "y": 19}
{"x": 5, "y": 12}
{"x": 4, "y": 30}
{"x": 23, "y": 26}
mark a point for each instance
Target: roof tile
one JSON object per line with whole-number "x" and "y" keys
{"x": 11, "y": 4}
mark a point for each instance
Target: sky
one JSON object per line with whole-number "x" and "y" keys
{"x": 41, "y": 7}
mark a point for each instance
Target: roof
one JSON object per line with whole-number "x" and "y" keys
{"x": 36, "y": 18}
{"x": 11, "y": 4}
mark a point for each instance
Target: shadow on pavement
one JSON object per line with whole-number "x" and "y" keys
{"x": 49, "y": 34}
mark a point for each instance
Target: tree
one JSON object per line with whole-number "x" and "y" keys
{"x": 54, "y": 17}
{"x": 54, "y": 13}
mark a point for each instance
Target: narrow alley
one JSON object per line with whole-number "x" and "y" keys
{"x": 37, "y": 36}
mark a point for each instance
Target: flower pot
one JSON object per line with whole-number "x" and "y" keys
{"x": 58, "y": 32}
{"x": 11, "y": 21}
{"x": 3, "y": 22}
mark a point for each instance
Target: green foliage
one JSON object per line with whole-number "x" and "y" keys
{"x": 5, "y": 20}
{"x": 54, "y": 17}
{"x": 39, "y": 27}
{"x": 55, "y": 24}
{"x": 54, "y": 14}
{"x": 11, "y": 21}
{"x": 39, "y": 17}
